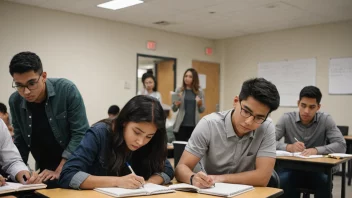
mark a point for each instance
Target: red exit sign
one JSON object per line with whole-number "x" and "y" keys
{"x": 151, "y": 45}
{"x": 209, "y": 51}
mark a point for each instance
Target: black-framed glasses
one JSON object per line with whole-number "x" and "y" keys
{"x": 245, "y": 113}
{"x": 31, "y": 85}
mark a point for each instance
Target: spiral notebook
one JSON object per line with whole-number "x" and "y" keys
{"x": 220, "y": 189}
{"x": 148, "y": 189}
{"x": 296, "y": 154}
{"x": 14, "y": 187}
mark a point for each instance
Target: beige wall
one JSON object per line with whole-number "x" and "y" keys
{"x": 241, "y": 55}
{"x": 97, "y": 55}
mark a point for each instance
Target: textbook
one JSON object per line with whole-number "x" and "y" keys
{"x": 175, "y": 97}
{"x": 296, "y": 154}
{"x": 220, "y": 189}
{"x": 147, "y": 189}
{"x": 15, "y": 187}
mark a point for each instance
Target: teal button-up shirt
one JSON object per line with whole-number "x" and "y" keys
{"x": 65, "y": 111}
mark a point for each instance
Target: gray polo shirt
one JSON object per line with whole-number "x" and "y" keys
{"x": 314, "y": 135}
{"x": 222, "y": 151}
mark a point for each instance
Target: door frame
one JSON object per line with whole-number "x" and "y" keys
{"x": 155, "y": 68}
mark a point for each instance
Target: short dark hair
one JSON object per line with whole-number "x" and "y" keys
{"x": 114, "y": 109}
{"x": 149, "y": 75}
{"x": 25, "y": 62}
{"x": 311, "y": 92}
{"x": 261, "y": 90}
{"x": 3, "y": 108}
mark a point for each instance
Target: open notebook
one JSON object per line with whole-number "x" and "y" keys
{"x": 148, "y": 189}
{"x": 220, "y": 189}
{"x": 296, "y": 154}
{"x": 14, "y": 187}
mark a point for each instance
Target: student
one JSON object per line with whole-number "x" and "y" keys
{"x": 48, "y": 116}
{"x": 113, "y": 111}
{"x": 237, "y": 145}
{"x": 150, "y": 86}
{"x": 136, "y": 136}
{"x": 190, "y": 105}
{"x": 11, "y": 161}
{"x": 312, "y": 129}
{"x": 5, "y": 116}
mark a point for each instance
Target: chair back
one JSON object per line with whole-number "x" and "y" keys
{"x": 274, "y": 181}
{"x": 179, "y": 147}
{"x": 343, "y": 129}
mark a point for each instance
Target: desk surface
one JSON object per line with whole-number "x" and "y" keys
{"x": 59, "y": 193}
{"x": 348, "y": 137}
{"x": 321, "y": 160}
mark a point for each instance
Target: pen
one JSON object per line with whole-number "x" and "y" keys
{"x": 203, "y": 170}
{"x": 296, "y": 139}
{"x": 129, "y": 166}
{"x": 7, "y": 178}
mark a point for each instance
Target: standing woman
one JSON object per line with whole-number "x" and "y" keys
{"x": 136, "y": 136}
{"x": 150, "y": 85}
{"x": 190, "y": 105}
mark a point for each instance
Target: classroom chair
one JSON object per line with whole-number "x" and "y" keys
{"x": 344, "y": 131}
{"x": 179, "y": 147}
{"x": 274, "y": 181}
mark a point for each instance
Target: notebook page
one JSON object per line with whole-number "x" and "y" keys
{"x": 20, "y": 187}
{"x": 6, "y": 189}
{"x": 310, "y": 156}
{"x": 226, "y": 190}
{"x": 184, "y": 187}
{"x": 121, "y": 192}
{"x": 157, "y": 189}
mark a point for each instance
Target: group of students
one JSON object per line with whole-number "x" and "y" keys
{"x": 234, "y": 146}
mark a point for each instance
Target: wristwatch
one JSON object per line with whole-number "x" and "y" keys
{"x": 190, "y": 179}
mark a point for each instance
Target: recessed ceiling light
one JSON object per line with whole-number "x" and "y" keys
{"x": 118, "y": 4}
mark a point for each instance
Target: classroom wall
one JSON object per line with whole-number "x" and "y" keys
{"x": 98, "y": 55}
{"x": 241, "y": 55}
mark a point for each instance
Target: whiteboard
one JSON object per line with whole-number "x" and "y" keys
{"x": 340, "y": 76}
{"x": 289, "y": 77}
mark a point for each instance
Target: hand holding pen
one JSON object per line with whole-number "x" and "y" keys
{"x": 202, "y": 179}
{"x": 131, "y": 180}
{"x": 298, "y": 146}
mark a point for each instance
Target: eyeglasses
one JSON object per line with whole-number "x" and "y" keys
{"x": 245, "y": 113}
{"x": 31, "y": 85}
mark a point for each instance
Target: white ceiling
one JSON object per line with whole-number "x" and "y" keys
{"x": 231, "y": 18}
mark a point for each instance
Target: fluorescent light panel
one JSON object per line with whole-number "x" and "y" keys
{"x": 118, "y": 4}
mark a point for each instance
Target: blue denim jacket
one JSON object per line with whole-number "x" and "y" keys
{"x": 89, "y": 159}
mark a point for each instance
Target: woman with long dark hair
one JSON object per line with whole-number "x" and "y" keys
{"x": 137, "y": 136}
{"x": 190, "y": 105}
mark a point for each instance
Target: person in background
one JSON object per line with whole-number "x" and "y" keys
{"x": 234, "y": 146}
{"x": 48, "y": 116}
{"x": 136, "y": 136}
{"x": 308, "y": 131}
{"x": 11, "y": 162}
{"x": 150, "y": 86}
{"x": 189, "y": 107}
{"x": 5, "y": 116}
{"x": 113, "y": 111}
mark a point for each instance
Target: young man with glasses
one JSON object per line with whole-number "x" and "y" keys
{"x": 234, "y": 146}
{"x": 308, "y": 131}
{"x": 48, "y": 116}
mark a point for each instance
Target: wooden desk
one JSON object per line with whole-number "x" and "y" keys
{"x": 59, "y": 193}
{"x": 324, "y": 165}
{"x": 348, "y": 139}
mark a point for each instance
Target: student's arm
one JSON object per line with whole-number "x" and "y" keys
{"x": 18, "y": 139}
{"x": 78, "y": 122}
{"x": 10, "y": 158}
{"x": 334, "y": 136}
{"x": 163, "y": 177}
{"x": 195, "y": 149}
{"x": 280, "y": 132}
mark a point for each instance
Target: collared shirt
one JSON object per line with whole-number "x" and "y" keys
{"x": 10, "y": 159}
{"x": 65, "y": 111}
{"x": 222, "y": 151}
{"x": 90, "y": 158}
{"x": 314, "y": 135}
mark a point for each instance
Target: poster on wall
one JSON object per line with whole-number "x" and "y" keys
{"x": 340, "y": 76}
{"x": 289, "y": 77}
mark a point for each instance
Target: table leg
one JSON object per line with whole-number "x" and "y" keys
{"x": 343, "y": 182}
{"x": 330, "y": 180}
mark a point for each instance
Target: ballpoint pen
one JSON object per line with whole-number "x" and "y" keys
{"x": 203, "y": 170}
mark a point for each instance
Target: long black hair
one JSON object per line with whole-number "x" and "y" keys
{"x": 148, "y": 159}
